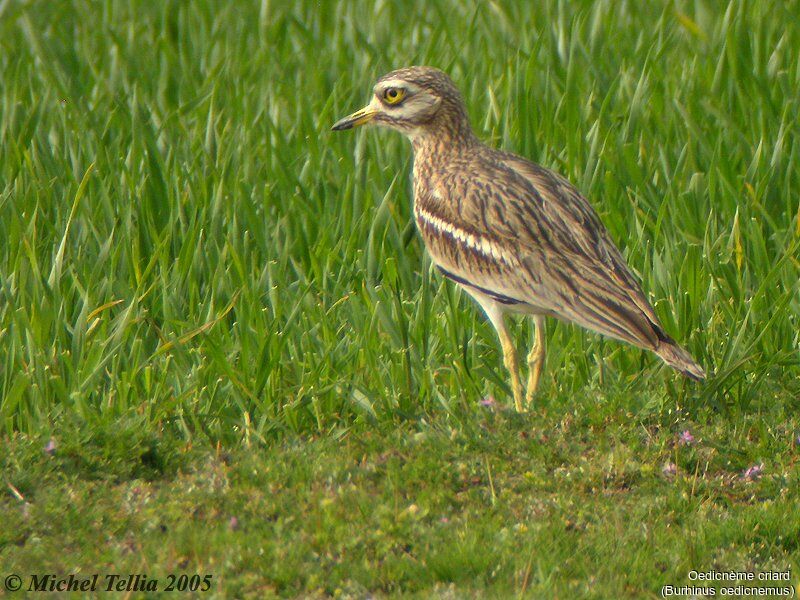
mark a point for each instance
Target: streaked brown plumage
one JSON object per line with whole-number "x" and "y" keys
{"x": 516, "y": 236}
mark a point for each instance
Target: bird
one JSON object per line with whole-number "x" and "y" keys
{"x": 516, "y": 236}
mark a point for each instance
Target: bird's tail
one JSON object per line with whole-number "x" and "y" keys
{"x": 680, "y": 360}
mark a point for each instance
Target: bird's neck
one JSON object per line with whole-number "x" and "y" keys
{"x": 442, "y": 139}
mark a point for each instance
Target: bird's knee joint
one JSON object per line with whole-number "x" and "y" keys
{"x": 536, "y": 354}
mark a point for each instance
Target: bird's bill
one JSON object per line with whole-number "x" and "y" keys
{"x": 358, "y": 118}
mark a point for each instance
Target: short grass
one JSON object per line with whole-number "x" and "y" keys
{"x": 218, "y": 309}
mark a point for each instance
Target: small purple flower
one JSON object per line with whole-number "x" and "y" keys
{"x": 50, "y": 448}
{"x": 754, "y": 472}
{"x": 670, "y": 469}
{"x": 686, "y": 438}
{"x": 233, "y": 524}
{"x": 488, "y": 402}
{"x": 797, "y": 440}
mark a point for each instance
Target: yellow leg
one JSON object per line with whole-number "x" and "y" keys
{"x": 494, "y": 311}
{"x": 510, "y": 361}
{"x": 535, "y": 360}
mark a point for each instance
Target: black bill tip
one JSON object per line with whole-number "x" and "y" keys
{"x": 342, "y": 125}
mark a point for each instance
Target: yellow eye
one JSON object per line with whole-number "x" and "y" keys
{"x": 394, "y": 95}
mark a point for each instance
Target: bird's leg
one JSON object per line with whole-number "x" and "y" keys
{"x": 510, "y": 361}
{"x": 495, "y": 313}
{"x": 535, "y": 359}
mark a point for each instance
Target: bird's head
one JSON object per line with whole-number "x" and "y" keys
{"x": 414, "y": 100}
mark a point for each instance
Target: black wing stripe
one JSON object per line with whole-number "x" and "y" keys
{"x": 493, "y": 295}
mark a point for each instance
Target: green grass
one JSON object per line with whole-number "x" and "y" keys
{"x": 192, "y": 265}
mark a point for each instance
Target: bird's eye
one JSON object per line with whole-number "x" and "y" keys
{"x": 393, "y": 95}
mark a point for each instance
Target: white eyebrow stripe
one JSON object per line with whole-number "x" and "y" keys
{"x": 483, "y": 245}
{"x": 393, "y": 83}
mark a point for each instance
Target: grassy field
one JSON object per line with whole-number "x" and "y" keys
{"x": 223, "y": 350}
